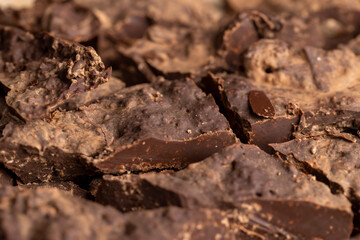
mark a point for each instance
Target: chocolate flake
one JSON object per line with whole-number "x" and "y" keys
{"x": 260, "y": 104}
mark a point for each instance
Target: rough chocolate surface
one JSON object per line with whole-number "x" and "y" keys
{"x": 241, "y": 176}
{"x": 149, "y": 139}
{"x": 39, "y": 72}
{"x": 293, "y": 80}
{"x": 163, "y": 125}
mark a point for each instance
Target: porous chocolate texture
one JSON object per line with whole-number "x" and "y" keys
{"x": 145, "y": 127}
{"x": 49, "y": 213}
{"x": 40, "y": 72}
{"x": 282, "y": 200}
{"x": 294, "y": 81}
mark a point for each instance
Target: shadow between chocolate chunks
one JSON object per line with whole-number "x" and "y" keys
{"x": 40, "y": 72}
{"x": 145, "y": 127}
{"x": 281, "y": 200}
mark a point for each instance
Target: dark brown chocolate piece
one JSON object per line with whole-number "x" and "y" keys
{"x": 237, "y": 37}
{"x": 145, "y": 127}
{"x": 260, "y": 104}
{"x": 232, "y": 93}
{"x": 39, "y": 72}
{"x": 284, "y": 200}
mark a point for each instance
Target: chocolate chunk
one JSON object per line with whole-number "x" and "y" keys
{"x": 236, "y": 39}
{"x": 287, "y": 77}
{"x": 71, "y": 21}
{"x": 145, "y": 127}
{"x": 40, "y": 72}
{"x": 241, "y": 177}
{"x": 336, "y": 161}
{"x": 232, "y": 93}
{"x": 260, "y": 104}
{"x": 49, "y": 213}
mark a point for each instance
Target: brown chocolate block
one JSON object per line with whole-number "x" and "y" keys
{"x": 145, "y": 127}
{"x": 283, "y": 199}
{"x": 293, "y": 80}
{"x": 39, "y": 72}
{"x": 232, "y": 93}
{"x": 53, "y": 214}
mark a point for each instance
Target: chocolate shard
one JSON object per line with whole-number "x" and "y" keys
{"x": 236, "y": 38}
{"x": 260, "y": 104}
{"x": 40, "y": 72}
{"x": 163, "y": 125}
{"x": 243, "y": 177}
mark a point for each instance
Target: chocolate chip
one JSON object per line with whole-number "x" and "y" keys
{"x": 260, "y": 104}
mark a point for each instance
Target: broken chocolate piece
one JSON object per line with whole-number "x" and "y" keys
{"x": 260, "y": 104}
{"x": 334, "y": 161}
{"x": 40, "y": 72}
{"x": 145, "y": 127}
{"x": 232, "y": 93}
{"x": 240, "y": 177}
{"x": 238, "y": 36}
